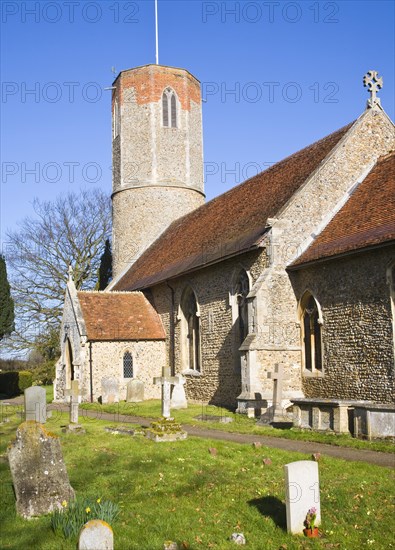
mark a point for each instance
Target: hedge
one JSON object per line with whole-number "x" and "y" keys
{"x": 14, "y": 383}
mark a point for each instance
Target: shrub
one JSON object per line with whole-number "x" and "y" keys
{"x": 9, "y": 383}
{"x": 44, "y": 374}
{"x": 69, "y": 521}
{"x": 25, "y": 380}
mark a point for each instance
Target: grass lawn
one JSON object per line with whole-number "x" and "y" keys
{"x": 240, "y": 424}
{"x": 178, "y": 491}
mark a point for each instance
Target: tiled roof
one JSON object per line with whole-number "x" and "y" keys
{"x": 119, "y": 316}
{"x": 367, "y": 218}
{"x": 229, "y": 224}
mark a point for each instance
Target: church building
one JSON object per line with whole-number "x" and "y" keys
{"x": 286, "y": 280}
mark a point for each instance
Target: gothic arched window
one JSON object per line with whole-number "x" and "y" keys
{"x": 311, "y": 333}
{"x": 128, "y": 365}
{"x": 190, "y": 331}
{"x": 241, "y": 290}
{"x": 169, "y": 108}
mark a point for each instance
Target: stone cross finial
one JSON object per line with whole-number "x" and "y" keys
{"x": 374, "y": 83}
{"x": 70, "y": 271}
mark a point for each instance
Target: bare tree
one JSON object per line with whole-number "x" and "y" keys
{"x": 72, "y": 230}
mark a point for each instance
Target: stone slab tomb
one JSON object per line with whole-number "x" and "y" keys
{"x": 36, "y": 404}
{"x": 38, "y": 471}
{"x": 302, "y": 492}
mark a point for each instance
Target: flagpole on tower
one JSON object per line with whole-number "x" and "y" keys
{"x": 156, "y": 32}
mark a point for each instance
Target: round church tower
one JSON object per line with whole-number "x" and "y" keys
{"x": 157, "y": 156}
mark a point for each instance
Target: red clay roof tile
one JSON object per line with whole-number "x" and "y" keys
{"x": 229, "y": 224}
{"x": 119, "y": 316}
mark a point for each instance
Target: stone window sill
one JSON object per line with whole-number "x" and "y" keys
{"x": 191, "y": 372}
{"x": 314, "y": 374}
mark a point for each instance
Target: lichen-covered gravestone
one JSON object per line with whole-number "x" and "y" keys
{"x": 302, "y": 492}
{"x": 36, "y": 404}
{"x": 38, "y": 471}
{"x": 135, "y": 391}
{"x": 109, "y": 390}
{"x": 96, "y": 535}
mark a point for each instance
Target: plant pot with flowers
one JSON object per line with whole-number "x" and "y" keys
{"x": 309, "y": 523}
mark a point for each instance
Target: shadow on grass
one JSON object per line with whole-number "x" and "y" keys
{"x": 271, "y": 507}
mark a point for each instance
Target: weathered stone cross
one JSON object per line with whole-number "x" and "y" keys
{"x": 166, "y": 381}
{"x": 278, "y": 378}
{"x": 374, "y": 83}
{"x": 73, "y": 393}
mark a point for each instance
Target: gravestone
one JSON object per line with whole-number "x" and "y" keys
{"x": 96, "y": 535}
{"x": 166, "y": 381}
{"x": 74, "y": 394}
{"x": 74, "y": 399}
{"x": 178, "y": 397}
{"x": 302, "y": 492}
{"x": 109, "y": 390}
{"x": 38, "y": 471}
{"x": 135, "y": 391}
{"x": 36, "y": 404}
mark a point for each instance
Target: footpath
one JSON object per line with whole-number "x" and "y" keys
{"x": 307, "y": 447}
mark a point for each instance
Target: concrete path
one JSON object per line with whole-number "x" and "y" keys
{"x": 308, "y": 447}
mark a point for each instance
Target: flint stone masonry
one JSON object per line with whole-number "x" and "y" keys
{"x": 134, "y": 391}
{"x": 302, "y": 492}
{"x": 36, "y": 404}
{"x": 96, "y": 535}
{"x": 353, "y": 353}
{"x": 110, "y": 390}
{"x": 219, "y": 381}
{"x": 38, "y": 471}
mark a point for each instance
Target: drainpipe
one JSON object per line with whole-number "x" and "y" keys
{"x": 91, "y": 370}
{"x": 172, "y": 333}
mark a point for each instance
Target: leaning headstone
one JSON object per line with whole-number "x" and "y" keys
{"x": 96, "y": 535}
{"x": 109, "y": 390}
{"x": 135, "y": 391}
{"x": 302, "y": 492}
{"x": 36, "y": 404}
{"x": 178, "y": 397}
{"x": 38, "y": 471}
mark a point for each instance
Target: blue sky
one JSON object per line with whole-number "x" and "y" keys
{"x": 276, "y": 75}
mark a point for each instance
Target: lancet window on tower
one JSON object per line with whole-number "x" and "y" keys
{"x": 169, "y": 108}
{"x": 115, "y": 119}
{"x": 311, "y": 333}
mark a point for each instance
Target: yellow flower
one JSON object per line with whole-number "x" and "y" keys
{"x": 64, "y": 503}
{"x": 98, "y": 500}
{"x": 87, "y": 510}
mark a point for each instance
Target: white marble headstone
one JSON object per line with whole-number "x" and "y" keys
{"x": 36, "y": 404}
{"x": 302, "y": 492}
